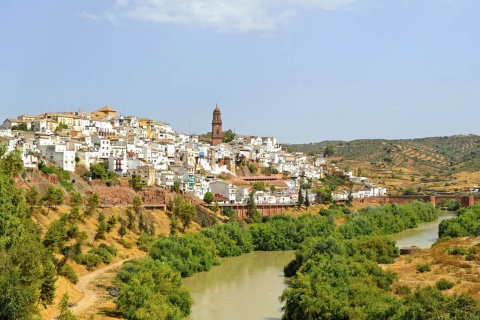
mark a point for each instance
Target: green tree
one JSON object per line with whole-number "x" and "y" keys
{"x": 329, "y": 150}
{"x": 53, "y": 197}
{"x": 122, "y": 230}
{"x": 10, "y": 163}
{"x": 65, "y": 312}
{"x": 137, "y": 205}
{"x": 259, "y": 186}
{"x": 215, "y": 207}
{"x": 324, "y": 194}
{"x": 76, "y": 199}
{"x": 136, "y": 182}
{"x": 252, "y": 211}
{"x": 32, "y": 198}
{"x": 208, "y": 197}
{"x": 228, "y": 136}
{"x": 187, "y": 213}
{"x": 47, "y": 288}
{"x": 307, "y": 200}
{"x": 173, "y": 225}
{"x": 111, "y": 222}
{"x": 93, "y": 202}
{"x": 300, "y": 199}
{"x": 152, "y": 290}
{"x": 130, "y": 220}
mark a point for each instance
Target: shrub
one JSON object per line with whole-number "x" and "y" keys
{"x": 103, "y": 253}
{"x": 68, "y": 273}
{"x": 470, "y": 256}
{"x": 444, "y": 284}
{"x": 144, "y": 242}
{"x": 88, "y": 259}
{"x": 457, "y": 251}
{"x": 111, "y": 249}
{"x": 403, "y": 290}
{"x": 423, "y": 267}
{"x": 125, "y": 243}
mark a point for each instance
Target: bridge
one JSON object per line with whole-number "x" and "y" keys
{"x": 465, "y": 201}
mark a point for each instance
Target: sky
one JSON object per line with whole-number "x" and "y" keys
{"x": 299, "y": 70}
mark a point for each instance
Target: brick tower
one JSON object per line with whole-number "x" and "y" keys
{"x": 217, "y": 133}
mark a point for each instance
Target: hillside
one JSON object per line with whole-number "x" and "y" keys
{"x": 435, "y": 163}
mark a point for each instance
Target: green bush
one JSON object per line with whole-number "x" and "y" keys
{"x": 444, "y": 284}
{"x": 88, "y": 259}
{"x": 103, "y": 253}
{"x": 125, "y": 243}
{"x": 423, "y": 267}
{"x": 68, "y": 272}
{"x": 470, "y": 256}
{"x": 457, "y": 251}
{"x": 402, "y": 290}
{"x": 111, "y": 249}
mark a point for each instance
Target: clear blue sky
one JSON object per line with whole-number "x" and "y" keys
{"x": 299, "y": 70}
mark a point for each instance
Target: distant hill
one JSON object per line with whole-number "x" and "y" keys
{"x": 440, "y": 155}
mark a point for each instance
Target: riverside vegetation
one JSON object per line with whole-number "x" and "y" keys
{"x": 335, "y": 273}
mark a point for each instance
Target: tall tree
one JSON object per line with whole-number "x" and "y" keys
{"x": 307, "y": 200}
{"x": 65, "y": 312}
{"x": 137, "y": 205}
{"x": 300, "y": 198}
{"x": 47, "y": 288}
{"x": 252, "y": 211}
{"x": 93, "y": 202}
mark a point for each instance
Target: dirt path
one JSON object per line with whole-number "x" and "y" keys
{"x": 90, "y": 296}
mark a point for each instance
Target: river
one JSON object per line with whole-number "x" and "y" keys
{"x": 248, "y": 287}
{"x": 245, "y": 287}
{"x": 423, "y": 236}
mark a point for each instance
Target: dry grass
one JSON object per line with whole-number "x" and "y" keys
{"x": 455, "y": 268}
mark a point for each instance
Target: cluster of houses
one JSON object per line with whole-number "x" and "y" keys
{"x": 161, "y": 156}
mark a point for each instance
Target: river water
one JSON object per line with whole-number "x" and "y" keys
{"x": 423, "y": 236}
{"x": 245, "y": 287}
{"x": 248, "y": 287}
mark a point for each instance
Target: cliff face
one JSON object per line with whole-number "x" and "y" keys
{"x": 123, "y": 195}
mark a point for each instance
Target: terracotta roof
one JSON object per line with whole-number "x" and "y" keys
{"x": 106, "y": 108}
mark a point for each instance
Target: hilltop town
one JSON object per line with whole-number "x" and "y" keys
{"x": 222, "y": 163}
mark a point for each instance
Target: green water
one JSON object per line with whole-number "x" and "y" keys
{"x": 245, "y": 287}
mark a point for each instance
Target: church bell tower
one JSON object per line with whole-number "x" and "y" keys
{"x": 217, "y": 133}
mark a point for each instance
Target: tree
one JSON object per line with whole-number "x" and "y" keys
{"x": 53, "y": 197}
{"x": 187, "y": 213}
{"x": 208, "y": 197}
{"x": 215, "y": 207}
{"x": 142, "y": 226}
{"x": 137, "y": 205}
{"x": 47, "y": 289}
{"x": 329, "y": 150}
{"x": 32, "y": 197}
{"x": 151, "y": 289}
{"x": 131, "y": 220}
{"x": 307, "y": 200}
{"x": 300, "y": 198}
{"x": 173, "y": 225}
{"x": 122, "y": 230}
{"x": 228, "y": 136}
{"x": 259, "y": 186}
{"x": 11, "y": 163}
{"x": 65, "y": 312}
{"x": 324, "y": 194}
{"x": 252, "y": 211}
{"x": 93, "y": 202}
{"x": 136, "y": 182}
{"x": 111, "y": 222}
{"x": 76, "y": 199}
